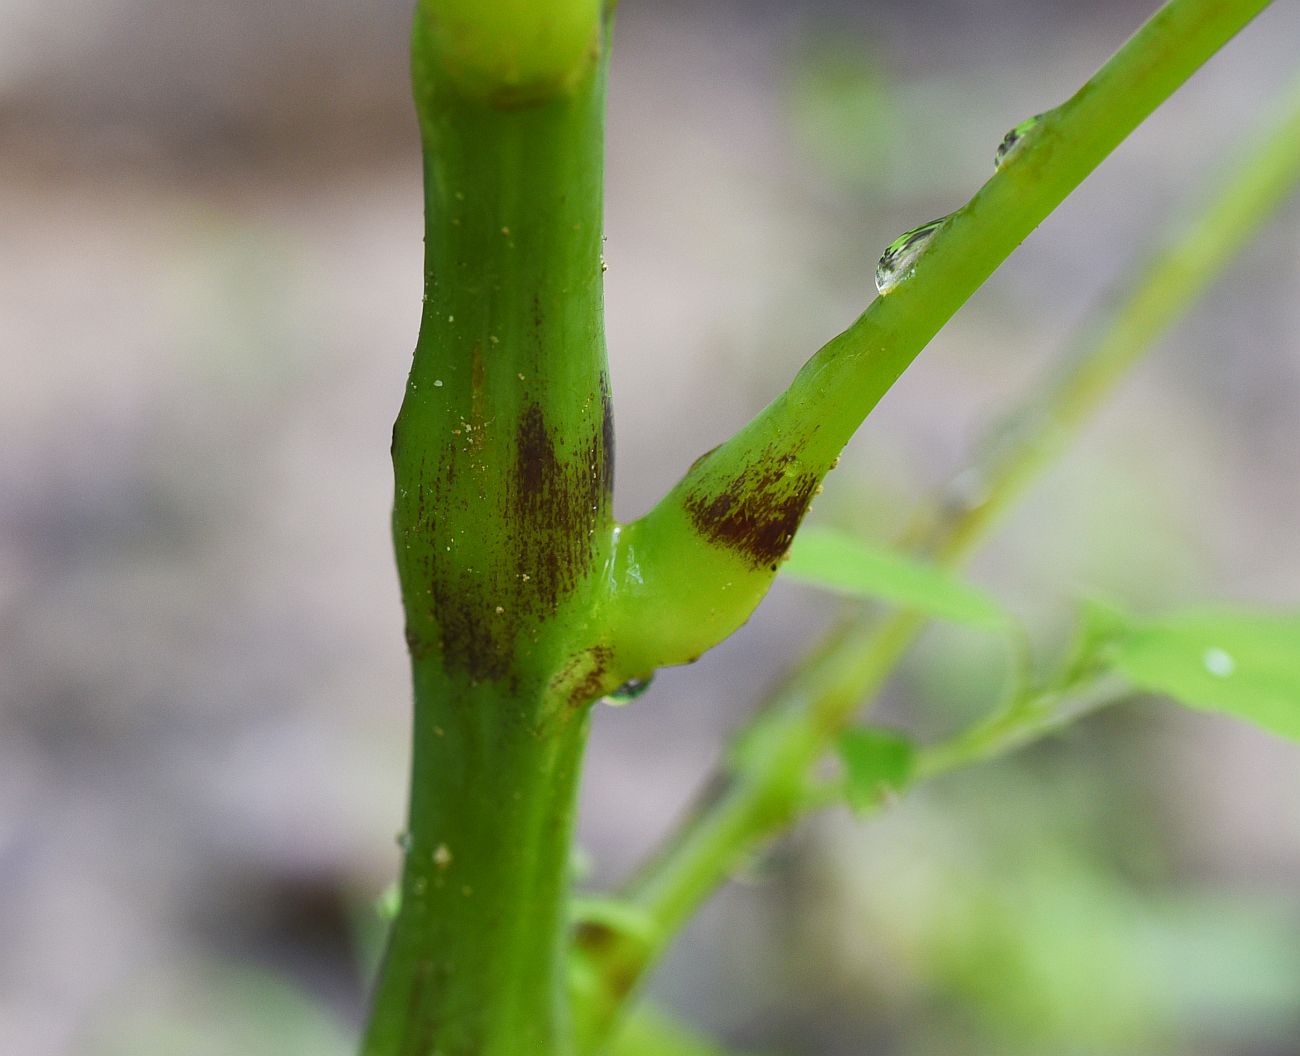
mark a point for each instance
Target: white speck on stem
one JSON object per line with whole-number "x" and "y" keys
{"x": 1219, "y": 662}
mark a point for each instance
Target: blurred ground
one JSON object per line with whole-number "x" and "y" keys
{"x": 209, "y": 268}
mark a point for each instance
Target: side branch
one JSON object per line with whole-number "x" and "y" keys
{"x": 753, "y": 802}
{"x": 691, "y": 571}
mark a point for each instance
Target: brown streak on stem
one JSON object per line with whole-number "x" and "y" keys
{"x": 758, "y": 511}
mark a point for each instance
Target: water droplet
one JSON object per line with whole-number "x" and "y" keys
{"x": 968, "y": 490}
{"x": 404, "y": 841}
{"x": 899, "y": 260}
{"x": 389, "y": 904}
{"x": 629, "y": 690}
{"x": 1219, "y": 662}
{"x": 437, "y": 383}
{"x": 1013, "y": 139}
{"x": 442, "y": 856}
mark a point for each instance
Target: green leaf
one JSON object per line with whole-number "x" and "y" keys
{"x": 1244, "y": 664}
{"x": 875, "y": 761}
{"x": 845, "y": 564}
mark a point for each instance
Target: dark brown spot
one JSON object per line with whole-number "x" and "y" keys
{"x": 459, "y": 620}
{"x": 542, "y": 522}
{"x": 620, "y": 956}
{"x": 756, "y": 513}
{"x": 555, "y": 504}
{"x": 474, "y": 639}
{"x": 584, "y": 677}
{"x": 594, "y": 937}
{"x": 606, "y": 453}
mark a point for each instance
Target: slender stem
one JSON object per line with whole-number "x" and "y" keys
{"x": 757, "y": 797}
{"x": 1024, "y": 723}
{"x": 1161, "y": 292}
{"x": 691, "y": 570}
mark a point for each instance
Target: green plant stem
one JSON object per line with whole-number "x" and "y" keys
{"x": 1160, "y": 293}
{"x": 1015, "y": 727}
{"x": 690, "y": 571}
{"x": 502, "y": 526}
{"x": 760, "y": 793}
{"x": 1023, "y": 723}
{"x": 476, "y": 957}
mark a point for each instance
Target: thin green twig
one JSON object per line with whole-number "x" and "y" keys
{"x": 691, "y": 571}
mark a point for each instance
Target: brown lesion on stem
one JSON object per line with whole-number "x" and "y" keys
{"x": 757, "y": 511}
{"x": 550, "y": 505}
{"x": 619, "y": 955}
{"x": 556, "y": 501}
{"x": 585, "y": 677}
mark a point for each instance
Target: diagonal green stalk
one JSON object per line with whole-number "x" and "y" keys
{"x": 691, "y": 571}
{"x": 756, "y": 800}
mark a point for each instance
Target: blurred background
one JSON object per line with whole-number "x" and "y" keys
{"x": 209, "y": 291}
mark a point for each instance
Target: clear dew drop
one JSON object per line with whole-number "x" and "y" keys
{"x": 629, "y": 691}
{"x": 389, "y": 903}
{"x": 899, "y": 260}
{"x": 404, "y": 841}
{"x": 1013, "y": 139}
{"x": 1218, "y": 662}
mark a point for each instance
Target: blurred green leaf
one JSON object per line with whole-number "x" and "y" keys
{"x": 840, "y": 105}
{"x": 215, "y": 1009}
{"x": 1228, "y": 962}
{"x": 875, "y": 762}
{"x": 1243, "y": 664}
{"x": 836, "y": 561}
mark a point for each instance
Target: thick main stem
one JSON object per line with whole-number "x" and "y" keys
{"x": 503, "y": 460}
{"x": 476, "y": 957}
